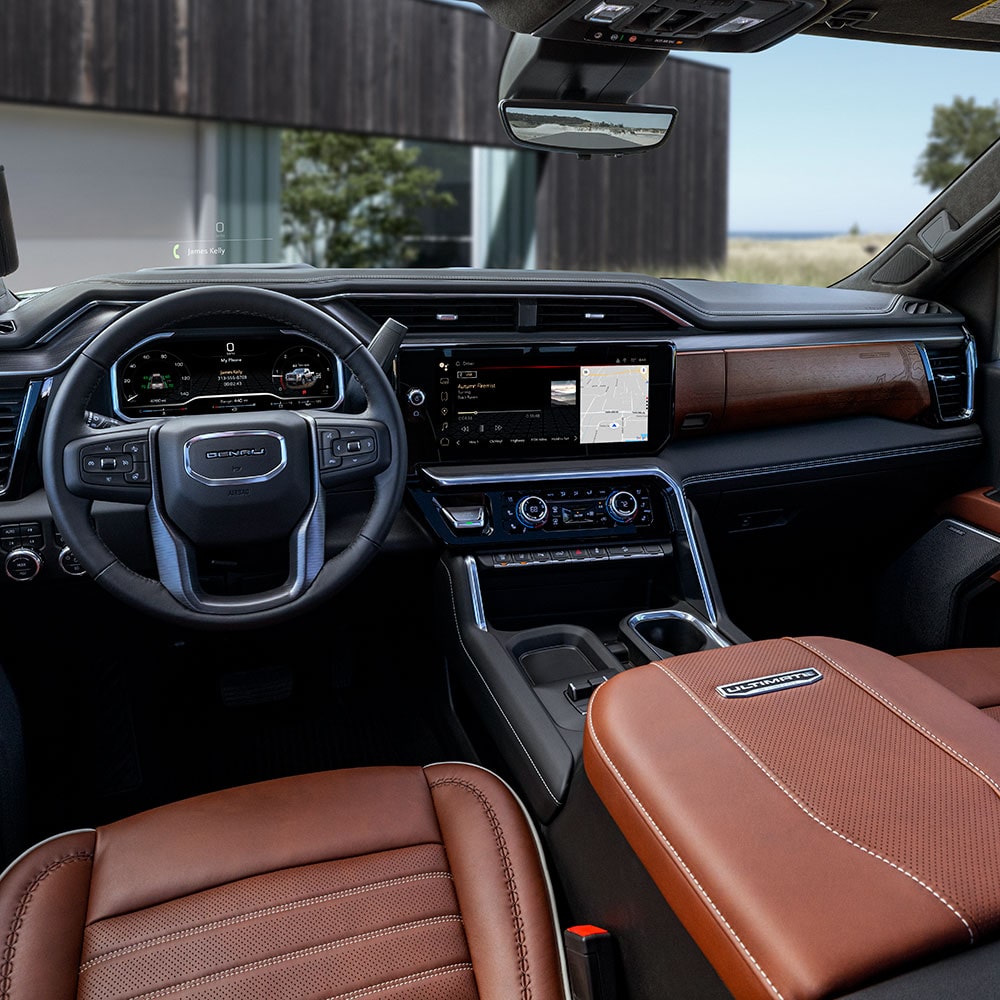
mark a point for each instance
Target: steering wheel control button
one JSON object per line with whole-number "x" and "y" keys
{"x": 347, "y": 447}
{"x": 138, "y": 475}
{"x": 139, "y": 450}
{"x": 229, "y": 458}
{"x": 22, "y": 565}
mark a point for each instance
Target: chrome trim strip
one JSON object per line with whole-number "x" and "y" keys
{"x": 534, "y": 477}
{"x": 965, "y": 526}
{"x": 116, "y": 402}
{"x": 32, "y": 394}
{"x": 476, "y": 593}
{"x": 652, "y": 616}
{"x": 236, "y": 480}
{"x": 971, "y": 367}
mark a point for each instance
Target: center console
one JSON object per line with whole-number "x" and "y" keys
{"x": 569, "y": 551}
{"x": 553, "y": 582}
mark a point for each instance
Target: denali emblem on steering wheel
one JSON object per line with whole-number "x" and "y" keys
{"x": 254, "y": 448}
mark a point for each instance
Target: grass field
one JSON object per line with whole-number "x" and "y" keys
{"x": 793, "y": 262}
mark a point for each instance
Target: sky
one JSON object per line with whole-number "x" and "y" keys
{"x": 825, "y": 133}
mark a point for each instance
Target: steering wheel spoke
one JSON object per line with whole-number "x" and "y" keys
{"x": 111, "y": 465}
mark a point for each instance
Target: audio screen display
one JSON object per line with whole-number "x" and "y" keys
{"x": 537, "y": 400}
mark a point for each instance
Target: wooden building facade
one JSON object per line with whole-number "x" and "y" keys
{"x": 413, "y": 69}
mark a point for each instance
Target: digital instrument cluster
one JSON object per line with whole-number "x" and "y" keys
{"x": 228, "y": 371}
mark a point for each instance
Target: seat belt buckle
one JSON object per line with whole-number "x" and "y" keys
{"x": 590, "y": 959}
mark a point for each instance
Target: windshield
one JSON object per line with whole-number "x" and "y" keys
{"x": 815, "y": 149}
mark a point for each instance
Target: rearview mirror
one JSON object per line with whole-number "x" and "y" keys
{"x": 610, "y": 129}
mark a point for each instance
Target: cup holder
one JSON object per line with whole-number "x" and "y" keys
{"x": 654, "y": 635}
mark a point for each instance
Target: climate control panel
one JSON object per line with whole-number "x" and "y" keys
{"x": 568, "y": 507}
{"x": 559, "y": 512}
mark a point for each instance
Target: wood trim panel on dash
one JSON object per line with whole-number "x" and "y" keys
{"x": 783, "y": 385}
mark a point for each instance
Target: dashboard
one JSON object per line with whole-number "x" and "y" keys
{"x": 546, "y": 409}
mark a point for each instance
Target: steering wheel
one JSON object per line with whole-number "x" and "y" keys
{"x": 233, "y": 480}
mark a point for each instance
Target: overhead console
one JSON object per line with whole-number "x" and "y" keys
{"x": 710, "y": 25}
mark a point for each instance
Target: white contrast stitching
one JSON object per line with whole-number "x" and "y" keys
{"x": 807, "y": 810}
{"x": 266, "y": 911}
{"x": 871, "y": 456}
{"x": 895, "y": 708}
{"x": 670, "y": 847}
{"x": 489, "y": 690}
{"x": 414, "y": 978}
{"x": 317, "y": 949}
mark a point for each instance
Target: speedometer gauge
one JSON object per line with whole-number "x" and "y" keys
{"x": 155, "y": 378}
{"x": 302, "y": 371}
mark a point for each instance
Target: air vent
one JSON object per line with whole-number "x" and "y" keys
{"x": 579, "y": 313}
{"x": 951, "y": 381}
{"x": 8, "y": 326}
{"x": 10, "y": 413}
{"x": 433, "y": 314}
{"x": 918, "y": 307}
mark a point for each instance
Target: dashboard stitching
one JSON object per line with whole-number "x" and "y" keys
{"x": 820, "y": 462}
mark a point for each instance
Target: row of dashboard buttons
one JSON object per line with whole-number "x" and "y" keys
{"x": 21, "y": 536}
{"x": 112, "y": 465}
{"x": 588, "y": 553}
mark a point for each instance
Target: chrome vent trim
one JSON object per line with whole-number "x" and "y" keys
{"x": 16, "y": 408}
{"x": 523, "y": 313}
{"x": 613, "y": 313}
{"x": 951, "y": 372}
{"x": 440, "y": 314}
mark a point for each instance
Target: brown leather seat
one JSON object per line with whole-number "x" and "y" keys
{"x": 972, "y": 674}
{"x": 390, "y": 882}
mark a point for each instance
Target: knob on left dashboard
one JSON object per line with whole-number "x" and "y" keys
{"x": 416, "y": 397}
{"x": 22, "y": 565}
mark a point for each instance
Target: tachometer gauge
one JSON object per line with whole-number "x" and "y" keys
{"x": 154, "y": 378}
{"x": 302, "y": 371}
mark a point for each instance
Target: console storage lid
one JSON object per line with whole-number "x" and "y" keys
{"x": 812, "y": 838}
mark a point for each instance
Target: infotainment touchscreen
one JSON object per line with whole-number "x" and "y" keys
{"x": 465, "y": 402}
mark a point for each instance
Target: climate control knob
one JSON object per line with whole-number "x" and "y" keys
{"x": 23, "y": 565}
{"x": 623, "y": 506}
{"x": 532, "y": 511}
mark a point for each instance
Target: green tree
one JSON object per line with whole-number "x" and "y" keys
{"x": 960, "y": 131}
{"x": 352, "y": 200}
